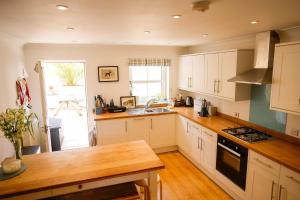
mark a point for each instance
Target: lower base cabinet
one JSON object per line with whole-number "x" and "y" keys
{"x": 267, "y": 179}
{"x": 158, "y": 131}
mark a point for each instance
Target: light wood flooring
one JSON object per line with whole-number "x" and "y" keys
{"x": 184, "y": 181}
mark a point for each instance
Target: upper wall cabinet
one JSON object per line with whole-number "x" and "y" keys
{"x": 208, "y": 73}
{"x": 285, "y": 93}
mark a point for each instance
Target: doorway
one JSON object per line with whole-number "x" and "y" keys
{"x": 66, "y": 104}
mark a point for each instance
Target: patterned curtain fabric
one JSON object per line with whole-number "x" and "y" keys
{"x": 149, "y": 62}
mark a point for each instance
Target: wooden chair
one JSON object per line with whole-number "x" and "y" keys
{"x": 143, "y": 184}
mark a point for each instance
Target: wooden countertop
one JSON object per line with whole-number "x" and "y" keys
{"x": 55, "y": 169}
{"x": 276, "y": 149}
{"x": 109, "y": 116}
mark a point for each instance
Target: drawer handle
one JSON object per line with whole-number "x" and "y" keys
{"x": 208, "y": 134}
{"x": 293, "y": 179}
{"x": 261, "y": 162}
{"x": 80, "y": 186}
{"x": 272, "y": 190}
{"x": 280, "y": 191}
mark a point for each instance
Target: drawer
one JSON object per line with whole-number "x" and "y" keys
{"x": 209, "y": 135}
{"x": 265, "y": 163}
{"x": 290, "y": 178}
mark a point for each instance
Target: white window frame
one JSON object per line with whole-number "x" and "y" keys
{"x": 164, "y": 80}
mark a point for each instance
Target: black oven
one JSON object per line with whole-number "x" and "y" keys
{"x": 232, "y": 161}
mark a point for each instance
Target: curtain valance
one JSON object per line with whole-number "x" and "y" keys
{"x": 149, "y": 62}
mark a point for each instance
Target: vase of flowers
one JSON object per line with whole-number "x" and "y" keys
{"x": 14, "y": 123}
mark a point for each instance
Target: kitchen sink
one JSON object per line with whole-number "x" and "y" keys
{"x": 147, "y": 111}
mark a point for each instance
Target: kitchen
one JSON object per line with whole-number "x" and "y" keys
{"x": 194, "y": 67}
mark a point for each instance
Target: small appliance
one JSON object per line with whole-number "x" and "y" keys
{"x": 204, "y": 111}
{"x": 189, "y": 102}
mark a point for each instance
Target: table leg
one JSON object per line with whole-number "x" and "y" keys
{"x": 152, "y": 180}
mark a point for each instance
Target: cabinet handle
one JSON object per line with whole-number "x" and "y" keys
{"x": 261, "y": 162}
{"x": 293, "y": 179}
{"x": 272, "y": 190}
{"x": 299, "y": 101}
{"x": 208, "y": 134}
{"x": 201, "y": 144}
{"x": 198, "y": 142}
{"x": 218, "y": 91}
{"x": 214, "y": 86}
{"x": 151, "y": 124}
{"x": 191, "y": 84}
{"x": 187, "y": 127}
{"x": 280, "y": 189}
{"x": 126, "y": 126}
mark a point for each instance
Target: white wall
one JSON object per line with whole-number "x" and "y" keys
{"x": 96, "y": 55}
{"x": 244, "y": 42}
{"x": 11, "y": 65}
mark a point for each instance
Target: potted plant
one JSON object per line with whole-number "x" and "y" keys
{"x": 14, "y": 123}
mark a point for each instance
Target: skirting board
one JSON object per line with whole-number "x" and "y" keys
{"x": 226, "y": 185}
{"x": 166, "y": 149}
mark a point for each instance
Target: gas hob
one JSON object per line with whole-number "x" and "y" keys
{"x": 247, "y": 134}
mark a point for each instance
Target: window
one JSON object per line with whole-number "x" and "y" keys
{"x": 148, "y": 82}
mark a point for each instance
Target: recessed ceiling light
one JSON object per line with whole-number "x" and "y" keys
{"x": 70, "y": 29}
{"x": 176, "y": 16}
{"x": 254, "y": 22}
{"x": 204, "y": 35}
{"x": 62, "y": 7}
{"x": 147, "y": 32}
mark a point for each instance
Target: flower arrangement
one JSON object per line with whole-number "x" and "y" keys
{"x": 14, "y": 123}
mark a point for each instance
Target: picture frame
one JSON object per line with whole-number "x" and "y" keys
{"x": 128, "y": 101}
{"x": 108, "y": 73}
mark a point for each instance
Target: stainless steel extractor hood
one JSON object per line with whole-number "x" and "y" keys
{"x": 263, "y": 59}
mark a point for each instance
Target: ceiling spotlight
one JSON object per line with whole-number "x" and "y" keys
{"x": 176, "y": 16}
{"x": 254, "y": 22}
{"x": 204, "y": 35}
{"x": 147, "y": 32}
{"x": 62, "y": 7}
{"x": 70, "y": 29}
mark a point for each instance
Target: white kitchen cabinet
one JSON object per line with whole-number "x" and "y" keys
{"x": 111, "y": 131}
{"x": 208, "y": 149}
{"x": 194, "y": 139}
{"x": 185, "y": 72}
{"x": 285, "y": 92}
{"x": 199, "y": 74}
{"x": 211, "y": 71}
{"x": 181, "y": 133}
{"x": 138, "y": 129}
{"x": 212, "y": 67}
{"x": 262, "y": 178}
{"x": 162, "y": 131}
{"x": 289, "y": 185}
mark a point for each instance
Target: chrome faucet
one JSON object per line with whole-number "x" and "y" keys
{"x": 149, "y": 103}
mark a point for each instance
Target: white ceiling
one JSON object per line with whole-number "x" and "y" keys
{"x": 124, "y": 21}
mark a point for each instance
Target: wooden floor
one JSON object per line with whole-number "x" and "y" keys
{"x": 182, "y": 180}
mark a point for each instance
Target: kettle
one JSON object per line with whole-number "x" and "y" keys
{"x": 189, "y": 102}
{"x": 204, "y": 111}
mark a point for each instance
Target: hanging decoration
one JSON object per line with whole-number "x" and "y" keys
{"x": 23, "y": 95}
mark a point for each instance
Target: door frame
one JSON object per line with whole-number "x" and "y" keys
{"x": 45, "y": 128}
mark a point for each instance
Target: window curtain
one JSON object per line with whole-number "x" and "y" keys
{"x": 149, "y": 62}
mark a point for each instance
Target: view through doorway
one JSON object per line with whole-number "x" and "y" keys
{"x": 66, "y": 104}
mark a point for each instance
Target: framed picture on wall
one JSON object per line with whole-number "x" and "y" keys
{"x": 128, "y": 101}
{"x": 108, "y": 74}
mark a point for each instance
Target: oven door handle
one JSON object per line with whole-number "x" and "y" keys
{"x": 228, "y": 149}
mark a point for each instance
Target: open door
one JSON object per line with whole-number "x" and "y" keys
{"x": 45, "y": 136}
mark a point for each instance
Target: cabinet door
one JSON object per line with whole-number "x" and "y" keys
{"x": 212, "y": 66}
{"x": 181, "y": 132}
{"x": 162, "y": 131}
{"x": 286, "y": 81}
{"x": 185, "y": 72}
{"x": 137, "y": 129}
{"x": 209, "y": 150}
{"x": 111, "y": 131}
{"x": 199, "y": 74}
{"x": 194, "y": 139}
{"x": 227, "y": 70}
{"x": 289, "y": 184}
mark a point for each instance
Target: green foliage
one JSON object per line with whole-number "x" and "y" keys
{"x": 69, "y": 73}
{"x": 15, "y": 122}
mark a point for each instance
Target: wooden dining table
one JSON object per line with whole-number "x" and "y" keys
{"x": 58, "y": 173}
